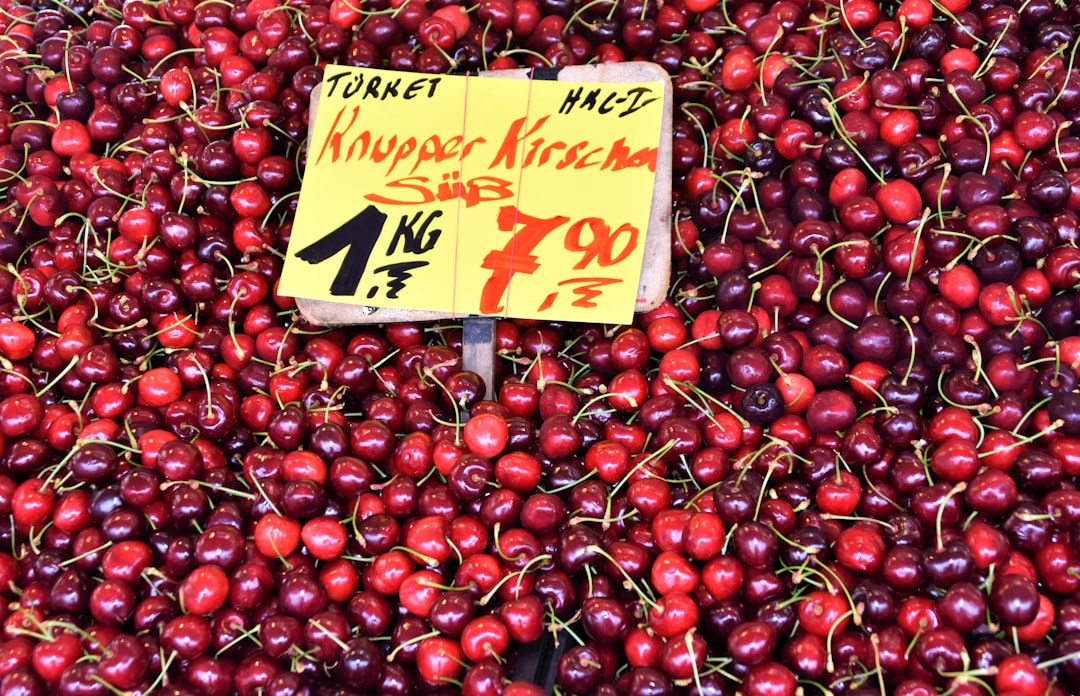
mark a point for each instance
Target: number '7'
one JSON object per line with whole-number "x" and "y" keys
{"x": 517, "y": 256}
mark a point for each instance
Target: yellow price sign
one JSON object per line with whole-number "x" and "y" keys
{"x": 468, "y": 195}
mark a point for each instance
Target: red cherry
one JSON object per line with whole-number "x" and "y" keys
{"x": 839, "y": 495}
{"x": 325, "y": 538}
{"x": 486, "y": 434}
{"x": 439, "y": 659}
{"x": 899, "y": 200}
{"x": 276, "y": 536}
{"x": 1020, "y": 674}
{"x": 204, "y": 590}
{"x": 823, "y": 614}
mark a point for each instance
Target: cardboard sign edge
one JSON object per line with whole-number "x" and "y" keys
{"x": 656, "y": 262}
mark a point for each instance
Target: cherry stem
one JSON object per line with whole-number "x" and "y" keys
{"x": 842, "y": 131}
{"x": 556, "y": 624}
{"x": 166, "y": 663}
{"x": 675, "y": 386}
{"x": 948, "y": 13}
{"x": 938, "y": 523}
{"x": 250, "y": 634}
{"x": 258, "y": 486}
{"x": 329, "y": 634}
{"x": 429, "y": 373}
{"x": 55, "y": 468}
{"x": 828, "y": 304}
{"x": 108, "y": 687}
{"x": 630, "y": 583}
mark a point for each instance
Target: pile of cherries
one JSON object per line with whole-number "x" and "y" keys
{"x": 841, "y": 458}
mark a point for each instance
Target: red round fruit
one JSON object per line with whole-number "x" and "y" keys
{"x": 204, "y": 590}
{"x": 486, "y": 434}
{"x": 899, "y": 200}
{"x": 439, "y": 659}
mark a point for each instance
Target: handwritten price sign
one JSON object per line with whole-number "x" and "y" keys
{"x": 467, "y": 195}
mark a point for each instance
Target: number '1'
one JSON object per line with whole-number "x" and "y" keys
{"x": 359, "y": 234}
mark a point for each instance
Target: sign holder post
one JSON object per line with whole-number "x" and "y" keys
{"x": 478, "y": 349}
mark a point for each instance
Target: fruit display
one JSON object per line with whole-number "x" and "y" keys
{"x": 841, "y": 457}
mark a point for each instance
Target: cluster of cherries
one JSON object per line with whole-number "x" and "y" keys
{"x": 841, "y": 458}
